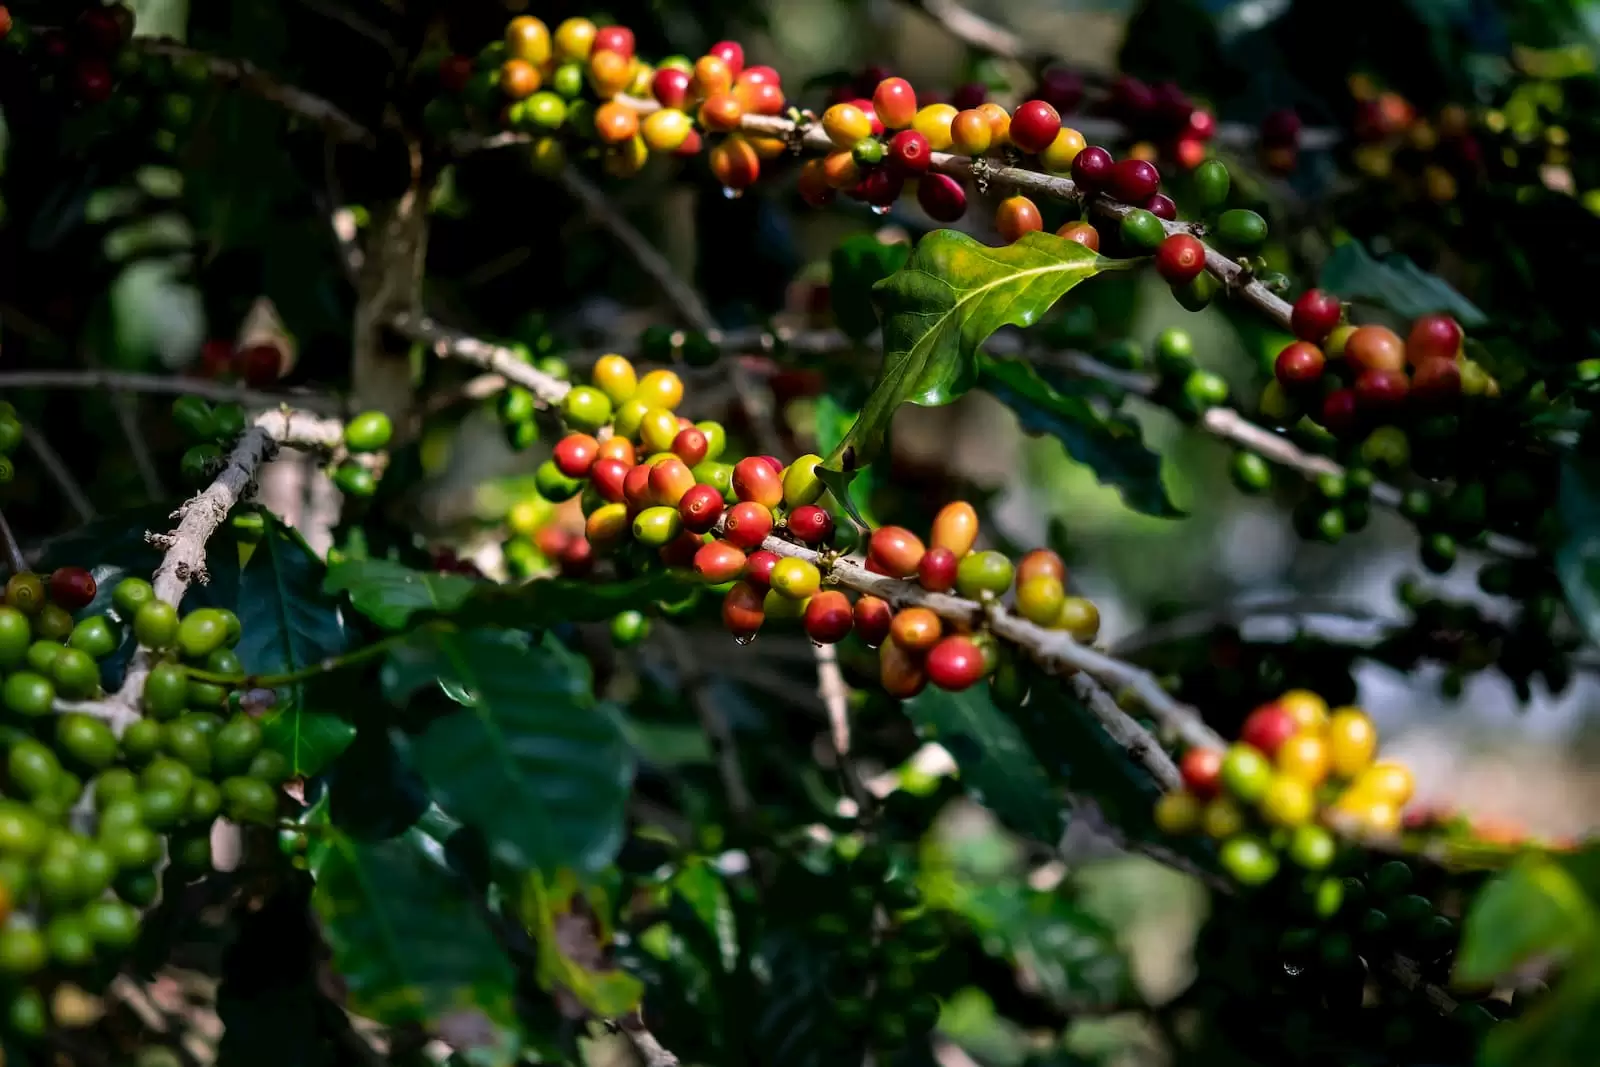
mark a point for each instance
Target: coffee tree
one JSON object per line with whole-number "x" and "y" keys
{"x": 366, "y": 771}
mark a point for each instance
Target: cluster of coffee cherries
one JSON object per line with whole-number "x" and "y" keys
{"x": 1419, "y": 157}
{"x": 1296, "y": 770}
{"x": 82, "y": 59}
{"x": 211, "y": 428}
{"x": 86, "y": 816}
{"x": 259, "y": 365}
{"x": 356, "y": 467}
{"x": 10, "y": 438}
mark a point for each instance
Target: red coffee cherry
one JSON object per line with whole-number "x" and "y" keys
{"x": 748, "y": 524}
{"x": 1180, "y": 258}
{"x": 1133, "y": 181}
{"x": 577, "y": 559}
{"x": 1267, "y": 728}
{"x": 1017, "y": 215}
{"x": 618, "y": 39}
{"x": 670, "y": 87}
{"x": 1091, "y": 168}
{"x": 636, "y": 491}
{"x": 1200, "y": 126}
{"x": 575, "y": 454}
{"x": 1162, "y": 207}
{"x": 899, "y": 672}
{"x": 916, "y": 629}
{"x": 454, "y": 73}
{"x": 92, "y": 79}
{"x": 1315, "y": 315}
{"x": 968, "y": 96}
{"x": 895, "y": 103}
{"x": 72, "y": 588}
{"x": 718, "y": 562}
{"x": 1083, "y": 233}
{"x": 873, "y": 618}
{"x": 1436, "y": 382}
{"x": 742, "y": 613}
{"x": 1132, "y": 98}
{"x": 1375, "y": 348}
{"x": 955, "y": 663}
{"x": 1378, "y": 391}
{"x": 607, "y": 477}
{"x": 758, "y": 568}
{"x": 1062, "y": 89}
{"x": 670, "y": 480}
{"x": 828, "y": 617}
{"x": 896, "y": 551}
{"x": 910, "y": 152}
{"x": 774, "y": 462}
{"x": 1202, "y": 771}
{"x": 880, "y": 186}
{"x": 1034, "y": 124}
{"x": 700, "y": 507}
{"x": 1299, "y": 365}
{"x": 258, "y": 365}
{"x": 1339, "y": 412}
{"x": 551, "y": 540}
{"x": 1433, "y": 336}
{"x": 681, "y": 550}
{"x": 690, "y": 446}
{"x": 937, "y": 571}
{"x": 1041, "y": 562}
{"x": 1190, "y": 152}
{"x": 755, "y": 480}
{"x": 731, "y": 53}
{"x": 810, "y": 524}
{"x": 942, "y": 197}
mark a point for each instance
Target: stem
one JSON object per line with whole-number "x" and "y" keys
{"x": 58, "y": 470}
{"x": 126, "y": 382}
{"x": 323, "y": 666}
{"x": 14, "y": 558}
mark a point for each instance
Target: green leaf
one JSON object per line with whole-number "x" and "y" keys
{"x": 859, "y": 263}
{"x": 1395, "y": 283}
{"x": 289, "y": 624}
{"x": 395, "y": 596}
{"x": 852, "y": 493}
{"x": 1578, "y": 555}
{"x": 952, "y": 294}
{"x": 406, "y": 937}
{"x": 531, "y": 760}
{"x": 1073, "y": 955}
{"x": 1535, "y": 910}
{"x": 574, "y": 948}
{"x": 1110, "y": 444}
{"x": 700, "y": 886}
{"x": 997, "y": 768}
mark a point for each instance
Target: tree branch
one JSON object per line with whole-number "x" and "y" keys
{"x": 127, "y": 382}
{"x": 57, "y": 468}
{"x": 8, "y": 540}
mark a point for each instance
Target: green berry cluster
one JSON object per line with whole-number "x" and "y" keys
{"x": 10, "y": 438}
{"x": 364, "y": 434}
{"x": 210, "y": 428}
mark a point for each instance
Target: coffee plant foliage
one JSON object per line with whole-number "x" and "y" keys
{"x": 536, "y": 534}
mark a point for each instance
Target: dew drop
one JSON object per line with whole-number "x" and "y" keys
{"x": 744, "y": 639}
{"x": 880, "y": 209}
{"x": 731, "y": 193}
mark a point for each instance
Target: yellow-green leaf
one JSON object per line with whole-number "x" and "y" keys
{"x": 567, "y": 921}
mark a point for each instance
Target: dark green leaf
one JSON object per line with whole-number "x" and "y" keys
{"x": 859, "y": 263}
{"x": 1073, "y": 955}
{"x": 1111, "y": 444}
{"x": 1394, "y": 283}
{"x": 1578, "y": 556}
{"x": 289, "y": 624}
{"x": 952, "y": 294}
{"x": 851, "y": 492}
{"x": 390, "y": 593}
{"x": 531, "y": 760}
{"x": 997, "y": 768}
{"x": 700, "y": 886}
{"x": 1536, "y": 910}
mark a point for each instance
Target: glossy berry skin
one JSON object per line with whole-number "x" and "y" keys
{"x": 895, "y": 103}
{"x": 670, "y": 87}
{"x": 971, "y": 133}
{"x": 895, "y": 551}
{"x": 1202, "y": 771}
{"x": 755, "y": 480}
{"x": 909, "y": 152}
{"x": 700, "y": 507}
{"x": 1092, "y": 168}
{"x": 758, "y": 568}
{"x": 1162, "y": 207}
{"x": 1340, "y": 413}
{"x": 1352, "y": 741}
{"x": 1314, "y": 315}
{"x": 1141, "y": 230}
{"x": 901, "y": 674}
{"x": 1179, "y": 258}
{"x": 796, "y": 579}
{"x": 731, "y": 53}
{"x": 1057, "y": 157}
{"x": 608, "y": 477}
{"x": 718, "y": 562}
{"x": 575, "y": 454}
{"x": 873, "y": 617}
{"x": 1299, "y": 365}
{"x": 1034, "y": 126}
{"x": 1041, "y": 562}
{"x": 937, "y": 570}
{"x": 618, "y": 39}
{"x": 916, "y": 629}
{"x": 954, "y": 664}
{"x": 829, "y": 617}
{"x": 1433, "y": 337}
{"x": 748, "y": 524}
{"x": 1381, "y": 391}
{"x": 1436, "y": 382}
{"x": 1016, "y": 216}
{"x": 73, "y": 588}
{"x": 1040, "y": 599}
{"x": 1248, "y": 860}
{"x": 690, "y": 446}
{"x": 1133, "y": 181}
{"x": 955, "y": 527}
{"x": 670, "y": 479}
{"x": 845, "y": 124}
{"x": 1246, "y": 772}
{"x": 1375, "y": 348}
{"x": 1083, "y": 233}
{"x": 984, "y": 572}
{"x": 941, "y": 197}
{"x": 1267, "y": 728}
{"x": 810, "y": 524}
{"x": 742, "y": 611}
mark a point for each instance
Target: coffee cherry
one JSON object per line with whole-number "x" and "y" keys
{"x": 1141, "y": 230}
{"x": 1017, "y": 215}
{"x": 1379, "y": 392}
{"x": 954, "y": 664}
{"x": 1133, "y": 181}
{"x": 1241, "y": 229}
{"x": 984, "y": 572}
{"x": 1040, "y": 599}
{"x": 895, "y": 551}
{"x": 1375, "y": 348}
{"x": 801, "y": 486}
{"x": 1288, "y": 802}
{"x": 873, "y": 618}
{"x": 1092, "y": 168}
{"x": 700, "y": 506}
{"x": 1267, "y": 728}
{"x": 691, "y": 446}
{"x": 656, "y": 526}
{"x": 1221, "y": 818}
{"x": 828, "y": 617}
{"x": 1433, "y": 337}
{"x": 670, "y": 479}
{"x": 1250, "y": 472}
{"x": 28, "y": 693}
{"x": 795, "y": 578}
{"x": 1248, "y": 860}
{"x": 1352, "y": 741}
{"x": 586, "y": 408}
{"x": 670, "y": 87}
{"x": 1082, "y": 233}
{"x": 1386, "y": 780}
{"x": 1177, "y": 813}
{"x": 755, "y": 480}
{"x": 731, "y": 53}
{"x": 1299, "y": 366}
{"x": 934, "y": 122}
{"x": 1315, "y": 315}
{"x": 909, "y": 152}
{"x": 1080, "y": 618}
{"x": 1179, "y": 258}
{"x": 552, "y": 484}
{"x": 1041, "y": 562}
{"x": 575, "y": 454}
{"x": 936, "y": 572}
{"x": 1162, "y": 207}
{"x": 999, "y": 123}
{"x": 25, "y": 591}
{"x": 971, "y": 133}
{"x": 1246, "y": 772}
{"x": 1305, "y": 757}
{"x": 1312, "y": 847}
{"x": 1034, "y": 126}
{"x": 1436, "y": 383}
{"x": 901, "y": 674}
{"x": 73, "y": 588}
{"x": 1212, "y": 184}
{"x": 748, "y": 524}
{"x": 895, "y": 103}
{"x": 52, "y": 624}
{"x": 1339, "y": 414}
{"x": 810, "y": 524}
{"x": 941, "y": 197}
{"x": 1059, "y": 155}
{"x": 916, "y": 629}
{"x": 618, "y": 39}
{"x": 845, "y": 124}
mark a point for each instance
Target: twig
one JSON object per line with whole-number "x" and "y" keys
{"x": 14, "y": 558}
{"x": 1204, "y": 621}
{"x": 835, "y": 696}
{"x": 127, "y": 382}
{"x": 127, "y": 413}
{"x": 453, "y": 344}
{"x": 57, "y": 468}
{"x": 687, "y": 302}
{"x": 253, "y": 80}
{"x": 1126, "y": 731}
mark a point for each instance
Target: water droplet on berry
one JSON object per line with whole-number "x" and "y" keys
{"x": 880, "y": 209}
{"x": 732, "y": 193}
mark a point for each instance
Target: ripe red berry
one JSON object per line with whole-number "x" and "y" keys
{"x": 829, "y": 617}
{"x": 1267, "y": 728}
{"x": 758, "y": 568}
{"x": 810, "y": 524}
{"x": 690, "y": 446}
{"x": 1433, "y": 337}
{"x": 1201, "y": 125}
{"x": 577, "y": 558}
{"x": 1016, "y": 216}
{"x": 942, "y": 197}
{"x": 258, "y": 365}
{"x": 1133, "y": 181}
{"x": 1339, "y": 412}
{"x": 1202, "y": 771}
{"x": 1062, "y": 89}
{"x": 92, "y": 79}
{"x": 1132, "y": 98}
{"x": 72, "y": 588}
{"x": 910, "y": 152}
{"x": 636, "y": 489}
{"x": 1299, "y": 365}
{"x": 618, "y": 39}
{"x": 880, "y": 187}
{"x": 552, "y": 540}
{"x": 896, "y": 551}
{"x": 774, "y": 462}
{"x": 1374, "y": 348}
{"x": 754, "y": 479}
{"x": 670, "y": 87}
{"x": 1180, "y": 258}
{"x": 742, "y": 613}
{"x": 954, "y": 664}
{"x": 1190, "y": 152}
{"x": 1092, "y": 167}
{"x": 718, "y": 562}
{"x": 1083, "y": 233}
{"x": 895, "y": 102}
{"x": 454, "y": 73}
{"x": 731, "y": 53}
{"x": 968, "y": 96}
{"x": 700, "y": 507}
{"x": 681, "y": 550}
{"x": 1162, "y": 207}
{"x": 873, "y": 618}
{"x": 760, "y": 75}
{"x": 872, "y": 115}
{"x": 607, "y": 477}
{"x": 1315, "y": 315}
{"x": 1034, "y": 124}
{"x": 748, "y": 524}
{"x": 1436, "y": 382}
{"x": 937, "y": 571}
{"x": 575, "y": 454}
{"x": 1378, "y": 391}
{"x": 670, "y": 480}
